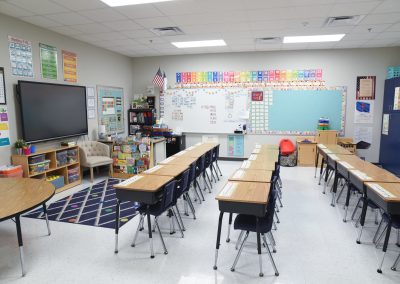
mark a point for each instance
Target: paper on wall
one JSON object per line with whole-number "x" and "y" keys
{"x": 385, "y": 124}
{"x": 363, "y": 133}
{"x": 364, "y": 112}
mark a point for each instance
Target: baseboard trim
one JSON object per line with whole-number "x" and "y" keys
{"x": 231, "y": 159}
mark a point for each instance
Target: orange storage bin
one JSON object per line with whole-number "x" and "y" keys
{"x": 11, "y": 171}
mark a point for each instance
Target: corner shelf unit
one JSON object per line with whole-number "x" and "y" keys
{"x": 51, "y": 155}
{"x": 138, "y": 119}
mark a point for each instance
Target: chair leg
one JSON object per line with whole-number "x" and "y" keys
{"x": 277, "y": 218}
{"x": 398, "y": 238}
{"x": 177, "y": 221}
{"x": 161, "y": 237}
{"x": 272, "y": 239}
{"x": 340, "y": 193}
{"x": 279, "y": 200}
{"x": 206, "y": 184}
{"x": 208, "y": 178}
{"x": 239, "y": 239}
{"x": 196, "y": 193}
{"x": 239, "y": 252}
{"x": 377, "y": 231}
{"x": 380, "y": 236}
{"x": 396, "y": 262}
{"x": 356, "y": 208}
{"x": 189, "y": 201}
{"x": 180, "y": 218}
{"x": 91, "y": 175}
{"x": 376, "y": 216}
{"x": 215, "y": 170}
{"x": 137, "y": 230}
{"x": 220, "y": 173}
{"x": 270, "y": 256}
{"x": 198, "y": 187}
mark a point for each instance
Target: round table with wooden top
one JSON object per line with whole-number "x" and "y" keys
{"x": 20, "y": 195}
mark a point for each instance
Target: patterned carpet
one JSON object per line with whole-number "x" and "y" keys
{"x": 92, "y": 206}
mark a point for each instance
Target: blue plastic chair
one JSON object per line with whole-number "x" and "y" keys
{"x": 200, "y": 168}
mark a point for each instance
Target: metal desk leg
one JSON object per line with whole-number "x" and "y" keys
{"x": 321, "y": 170}
{"x": 385, "y": 244}
{"x": 47, "y": 218}
{"x": 229, "y": 228}
{"x": 327, "y": 177}
{"x": 362, "y": 219}
{"x": 316, "y": 164}
{"x": 259, "y": 246}
{"x": 20, "y": 244}
{"x": 221, "y": 214}
{"x": 334, "y": 188}
{"x": 347, "y": 201}
{"x": 116, "y": 225}
{"x": 150, "y": 232}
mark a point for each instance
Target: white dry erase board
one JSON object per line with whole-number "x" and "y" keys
{"x": 278, "y": 110}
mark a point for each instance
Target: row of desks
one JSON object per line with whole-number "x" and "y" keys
{"x": 247, "y": 189}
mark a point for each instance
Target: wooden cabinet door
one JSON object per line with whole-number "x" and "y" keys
{"x": 306, "y": 154}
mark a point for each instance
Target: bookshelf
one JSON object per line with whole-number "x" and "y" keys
{"x": 138, "y": 119}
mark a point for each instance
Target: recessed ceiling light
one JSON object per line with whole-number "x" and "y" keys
{"x": 199, "y": 43}
{"x": 117, "y": 3}
{"x": 314, "y": 38}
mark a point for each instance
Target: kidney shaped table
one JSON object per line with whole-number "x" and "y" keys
{"x": 20, "y": 195}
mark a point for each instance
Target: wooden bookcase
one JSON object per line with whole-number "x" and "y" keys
{"x": 50, "y": 154}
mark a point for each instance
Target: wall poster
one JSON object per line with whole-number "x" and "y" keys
{"x": 364, "y": 112}
{"x": 3, "y": 99}
{"x": 365, "y": 88}
{"x": 110, "y": 108}
{"x": 70, "y": 60}
{"x": 48, "y": 61}
{"x": 4, "y": 127}
{"x": 396, "y": 103}
{"x": 235, "y": 146}
{"x": 385, "y": 124}
{"x": 20, "y": 57}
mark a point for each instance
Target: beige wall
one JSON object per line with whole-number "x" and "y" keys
{"x": 340, "y": 68}
{"x": 96, "y": 66}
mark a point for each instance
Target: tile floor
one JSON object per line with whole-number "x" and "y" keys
{"x": 314, "y": 246}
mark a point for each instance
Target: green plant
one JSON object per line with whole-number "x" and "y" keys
{"x": 20, "y": 143}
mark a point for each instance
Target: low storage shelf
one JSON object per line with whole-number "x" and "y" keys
{"x": 51, "y": 163}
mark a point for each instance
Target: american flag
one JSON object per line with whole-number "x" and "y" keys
{"x": 158, "y": 79}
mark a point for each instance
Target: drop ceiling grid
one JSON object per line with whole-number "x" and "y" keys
{"x": 238, "y": 22}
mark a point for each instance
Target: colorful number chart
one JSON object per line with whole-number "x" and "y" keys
{"x": 20, "y": 57}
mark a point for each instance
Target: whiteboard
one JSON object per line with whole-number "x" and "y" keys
{"x": 211, "y": 110}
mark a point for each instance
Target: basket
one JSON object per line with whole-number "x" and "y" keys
{"x": 62, "y": 158}
{"x": 39, "y": 167}
{"x": 72, "y": 156}
{"x": 11, "y": 171}
{"x": 36, "y": 159}
{"x": 57, "y": 181}
{"x": 393, "y": 72}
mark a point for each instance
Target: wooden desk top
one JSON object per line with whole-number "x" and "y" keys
{"x": 264, "y": 157}
{"x": 19, "y": 195}
{"x": 258, "y": 165}
{"x": 166, "y": 170}
{"x": 350, "y": 161}
{"x": 245, "y": 192}
{"x": 180, "y": 154}
{"x": 251, "y": 175}
{"x": 370, "y": 172}
{"x": 179, "y": 160}
{"x": 390, "y": 192}
{"x": 335, "y": 149}
{"x": 148, "y": 183}
{"x": 267, "y": 146}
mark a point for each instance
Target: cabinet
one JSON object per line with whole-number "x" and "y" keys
{"x": 175, "y": 144}
{"x": 326, "y": 137}
{"x": 141, "y": 120}
{"x": 55, "y": 163}
{"x": 306, "y": 150}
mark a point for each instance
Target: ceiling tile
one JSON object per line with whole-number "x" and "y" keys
{"x": 182, "y": 7}
{"x": 125, "y": 25}
{"x": 110, "y": 36}
{"x": 152, "y": 40}
{"x": 157, "y": 22}
{"x": 388, "y": 6}
{"x": 41, "y": 21}
{"x": 39, "y": 7}
{"x": 394, "y": 28}
{"x": 80, "y": 5}
{"x": 66, "y": 30}
{"x": 103, "y": 15}
{"x": 388, "y": 18}
{"x": 69, "y": 19}
{"x": 14, "y": 11}
{"x": 85, "y": 37}
{"x": 301, "y": 12}
{"x": 139, "y": 11}
{"x": 92, "y": 28}
{"x": 138, "y": 33}
{"x": 374, "y": 28}
{"x": 349, "y": 8}
{"x": 389, "y": 35}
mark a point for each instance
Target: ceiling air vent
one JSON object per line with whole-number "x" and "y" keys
{"x": 168, "y": 31}
{"x": 343, "y": 21}
{"x": 266, "y": 40}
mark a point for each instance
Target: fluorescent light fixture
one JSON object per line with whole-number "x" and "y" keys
{"x": 117, "y": 3}
{"x": 314, "y": 38}
{"x": 199, "y": 43}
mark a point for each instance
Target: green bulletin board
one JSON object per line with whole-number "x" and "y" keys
{"x": 48, "y": 61}
{"x": 110, "y": 107}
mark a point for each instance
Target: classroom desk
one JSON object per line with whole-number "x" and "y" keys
{"x": 200, "y": 150}
{"x": 179, "y": 160}
{"x": 242, "y": 198}
{"x": 20, "y": 195}
{"x": 251, "y": 175}
{"x": 265, "y": 151}
{"x": 271, "y": 156}
{"x": 267, "y": 165}
{"x": 140, "y": 188}
{"x": 166, "y": 170}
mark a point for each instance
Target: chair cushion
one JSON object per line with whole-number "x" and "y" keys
{"x": 248, "y": 223}
{"x": 95, "y": 161}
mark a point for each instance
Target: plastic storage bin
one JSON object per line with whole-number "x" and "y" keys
{"x": 36, "y": 159}
{"x": 62, "y": 158}
{"x": 57, "y": 181}
{"x": 72, "y": 156}
{"x": 73, "y": 174}
{"x": 39, "y": 167}
{"x": 11, "y": 172}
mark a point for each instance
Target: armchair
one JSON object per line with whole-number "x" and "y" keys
{"x": 94, "y": 154}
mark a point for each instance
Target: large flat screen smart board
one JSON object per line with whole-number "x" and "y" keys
{"x": 52, "y": 111}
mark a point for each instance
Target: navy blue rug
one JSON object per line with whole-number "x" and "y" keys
{"x": 92, "y": 206}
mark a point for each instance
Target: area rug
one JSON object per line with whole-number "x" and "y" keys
{"x": 92, "y": 206}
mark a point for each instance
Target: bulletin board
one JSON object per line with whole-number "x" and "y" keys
{"x": 110, "y": 102}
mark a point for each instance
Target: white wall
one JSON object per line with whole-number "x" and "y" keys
{"x": 340, "y": 68}
{"x": 96, "y": 66}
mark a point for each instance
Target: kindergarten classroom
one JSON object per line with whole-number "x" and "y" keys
{"x": 200, "y": 141}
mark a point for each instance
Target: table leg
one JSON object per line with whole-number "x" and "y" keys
{"x": 221, "y": 214}
{"x": 229, "y": 228}
{"x": 326, "y": 178}
{"x": 316, "y": 163}
{"x": 385, "y": 244}
{"x": 259, "y": 246}
{"x": 362, "y": 219}
{"x": 347, "y": 201}
{"x": 20, "y": 244}
{"x": 150, "y": 232}
{"x": 47, "y": 218}
{"x": 334, "y": 188}
{"x": 321, "y": 170}
{"x": 116, "y": 225}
